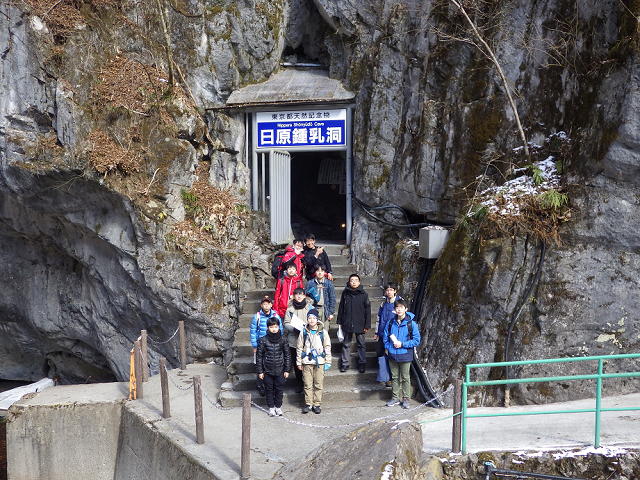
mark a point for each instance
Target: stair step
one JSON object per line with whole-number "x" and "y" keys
{"x": 330, "y": 396}
{"x": 253, "y": 306}
{"x": 374, "y": 293}
{"x": 333, "y": 378}
{"x": 243, "y": 347}
{"x": 244, "y": 364}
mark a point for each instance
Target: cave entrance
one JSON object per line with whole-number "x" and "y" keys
{"x": 298, "y": 146}
{"x": 318, "y": 195}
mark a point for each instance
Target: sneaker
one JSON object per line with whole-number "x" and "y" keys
{"x": 362, "y": 368}
{"x": 316, "y": 409}
{"x": 306, "y": 409}
{"x": 272, "y": 412}
{"x": 392, "y": 403}
{"x": 343, "y": 368}
{"x": 279, "y": 412}
{"x": 405, "y": 403}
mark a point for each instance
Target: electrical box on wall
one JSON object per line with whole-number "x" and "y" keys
{"x": 432, "y": 240}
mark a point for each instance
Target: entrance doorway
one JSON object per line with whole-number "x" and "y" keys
{"x": 318, "y": 194}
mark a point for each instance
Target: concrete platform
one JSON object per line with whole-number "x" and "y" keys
{"x": 166, "y": 448}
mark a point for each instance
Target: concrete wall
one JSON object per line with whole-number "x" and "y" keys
{"x": 146, "y": 454}
{"x": 90, "y": 432}
{"x": 63, "y": 442}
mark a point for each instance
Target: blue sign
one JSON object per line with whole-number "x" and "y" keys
{"x": 296, "y": 129}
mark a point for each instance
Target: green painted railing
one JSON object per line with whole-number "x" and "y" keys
{"x": 598, "y": 377}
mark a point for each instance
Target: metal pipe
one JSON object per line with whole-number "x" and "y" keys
{"x": 596, "y": 442}
{"x": 302, "y": 65}
{"x": 348, "y": 175}
{"x": 490, "y": 469}
{"x": 254, "y": 162}
{"x": 554, "y": 360}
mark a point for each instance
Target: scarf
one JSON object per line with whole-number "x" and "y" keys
{"x": 274, "y": 337}
{"x": 299, "y": 305}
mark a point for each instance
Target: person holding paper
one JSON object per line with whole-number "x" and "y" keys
{"x": 400, "y": 337}
{"x": 295, "y": 320}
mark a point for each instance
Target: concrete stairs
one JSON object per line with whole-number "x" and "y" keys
{"x": 338, "y": 386}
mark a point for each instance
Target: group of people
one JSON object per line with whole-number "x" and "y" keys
{"x": 292, "y": 331}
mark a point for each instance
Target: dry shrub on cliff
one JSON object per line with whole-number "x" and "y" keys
{"x": 62, "y": 17}
{"x": 129, "y": 84}
{"x": 213, "y": 214}
{"x": 106, "y": 156}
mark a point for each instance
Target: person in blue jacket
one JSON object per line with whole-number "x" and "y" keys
{"x": 386, "y": 312}
{"x": 400, "y": 337}
{"x": 259, "y": 322}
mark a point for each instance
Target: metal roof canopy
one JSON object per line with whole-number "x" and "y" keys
{"x": 292, "y": 86}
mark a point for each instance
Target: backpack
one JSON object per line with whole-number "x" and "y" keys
{"x": 409, "y": 326}
{"x": 276, "y": 266}
{"x": 304, "y": 341}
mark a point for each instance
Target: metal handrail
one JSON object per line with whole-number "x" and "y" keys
{"x": 598, "y": 377}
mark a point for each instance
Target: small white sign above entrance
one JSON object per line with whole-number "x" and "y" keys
{"x": 301, "y": 129}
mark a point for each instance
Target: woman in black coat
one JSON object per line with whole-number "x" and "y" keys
{"x": 354, "y": 316}
{"x": 273, "y": 362}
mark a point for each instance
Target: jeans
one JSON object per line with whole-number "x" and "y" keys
{"x": 400, "y": 379}
{"x": 346, "y": 349}
{"x": 273, "y": 385}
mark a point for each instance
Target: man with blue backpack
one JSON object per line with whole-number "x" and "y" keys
{"x": 400, "y": 337}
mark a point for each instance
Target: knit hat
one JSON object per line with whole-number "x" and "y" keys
{"x": 313, "y": 312}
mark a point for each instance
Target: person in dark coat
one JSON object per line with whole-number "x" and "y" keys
{"x": 354, "y": 316}
{"x": 315, "y": 257}
{"x": 273, "y": 362}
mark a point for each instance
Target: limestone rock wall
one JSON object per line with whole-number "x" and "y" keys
{"x": 96, "y": 154}
{"x": 431, "y": 115}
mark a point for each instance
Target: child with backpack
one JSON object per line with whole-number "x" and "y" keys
{"x": 293, "y": 253}
{"x": 258, "y": 329}
{"x": 386, "y": 313}
{"x": 401, "y": 336}
{"x": 285, "y": 287}
{"x": 273, "y": 362}
{"x": 313, "y": 358}
{"x": 294, "y": 320}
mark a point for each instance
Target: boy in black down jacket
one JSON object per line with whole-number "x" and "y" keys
{"x": 273, "y": 363}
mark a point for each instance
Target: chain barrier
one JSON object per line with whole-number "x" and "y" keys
{"x": 157, "y": 342}
{"x": 178, "y": 386}
{"x": 366, "y": 422}
{"x": 215, "y": 404}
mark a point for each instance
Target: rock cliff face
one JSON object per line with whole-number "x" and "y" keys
{"x": 111, "y": 142}
{"x": 432, "y": 115}
{"x": 102, "y": 162}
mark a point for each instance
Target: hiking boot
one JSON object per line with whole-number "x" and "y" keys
{"x": 405, "y": 403}
{"x": 316, "y": 409}
{"x": 279, "y": 411}
{"x": 272, "y": 412}
{"x": 393, "y": 402}
{"x": 306, "y": 409}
